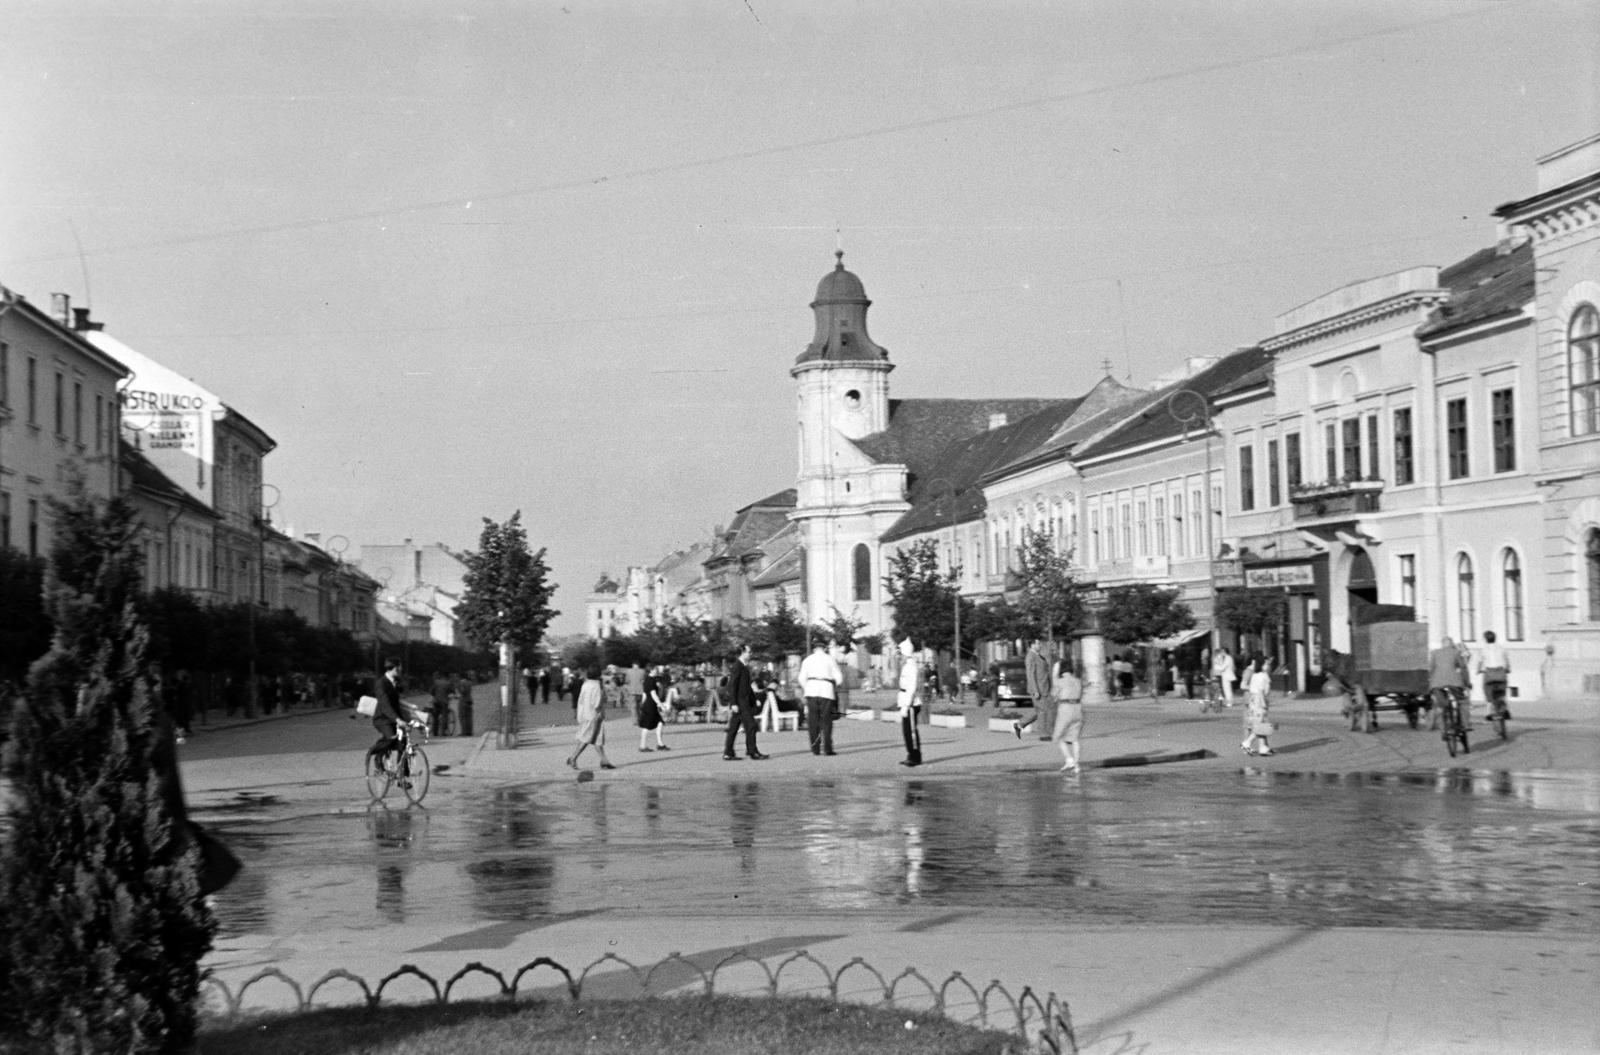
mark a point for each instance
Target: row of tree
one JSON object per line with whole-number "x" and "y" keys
{"x": 1047, "y": 604}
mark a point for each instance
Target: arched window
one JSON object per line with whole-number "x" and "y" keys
{"x": 1583, "y": 358}
{"x": 1591, "y": 558}
{"x": 861, "y": 560}
{"x": 1466, "y": 603}
{"x": 1511, "y": 587}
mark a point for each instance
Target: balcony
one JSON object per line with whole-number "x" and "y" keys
{"x": 1335, "y": 498}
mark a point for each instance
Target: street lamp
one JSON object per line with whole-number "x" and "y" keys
{"x": 948, "y": 493}
{"x": 1189, "y": 408}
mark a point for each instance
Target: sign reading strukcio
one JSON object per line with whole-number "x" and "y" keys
{"x": 165, "y": 420}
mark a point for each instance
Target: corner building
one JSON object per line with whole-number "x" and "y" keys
{"x": 1563, "y": 222}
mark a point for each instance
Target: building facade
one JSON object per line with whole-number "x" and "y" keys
{"x": 58, "y": 419}
{"x": 1562, "y": 220}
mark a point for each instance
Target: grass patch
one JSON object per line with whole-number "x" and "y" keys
{"x": 694, "y": 1025}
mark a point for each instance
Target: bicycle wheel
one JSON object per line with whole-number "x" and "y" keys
{"x": 1452, "y": 729}
{"x": 417, "y": 774}
{"x": 377, "y": 776}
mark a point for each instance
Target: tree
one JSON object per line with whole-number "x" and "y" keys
{"x": 1142, "y": 612}
{"x": 1000, "y": 620}
{"x": 840, "y": 630}
{"x": 1049, "y": 595}
{"x": 102, "y": 926}
{"x": 1256, "y": 613}
{"x": 24, "y": 627}
{"x": 507, "y": 597}
{"x": 924, "y": 598}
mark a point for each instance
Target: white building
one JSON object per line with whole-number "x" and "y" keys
{"x": 58, "y": 418}
{"x": 1563, "y": 396}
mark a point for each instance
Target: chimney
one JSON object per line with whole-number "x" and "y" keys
{"x": 81, "y": 321}
{"x": 997, "y": 421}
{"x": 61, "y": 308}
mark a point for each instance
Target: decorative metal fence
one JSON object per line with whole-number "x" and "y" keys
{"x": 1043, "y": 1024}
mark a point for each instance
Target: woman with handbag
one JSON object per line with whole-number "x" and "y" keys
{"x": 1257, "y": 724}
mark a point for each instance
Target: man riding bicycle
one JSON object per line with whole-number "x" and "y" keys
{"x": 1447, "y": 683}
{"x": 388, "y": 715}
{"x": 1496, "y": 670}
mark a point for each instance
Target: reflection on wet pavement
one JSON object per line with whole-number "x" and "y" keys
{"x": 1442, "y": 849}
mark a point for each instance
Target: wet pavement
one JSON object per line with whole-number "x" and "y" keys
{"x": 1354, "y": 893}
{"x": 1452, "y": 849}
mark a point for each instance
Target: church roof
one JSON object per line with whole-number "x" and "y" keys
{"x": 961, "y": 465}
{"x": 840, "y": 313}
{"x": 921, "y": 430}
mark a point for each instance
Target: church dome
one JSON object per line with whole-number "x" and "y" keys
{"x": 840, "y": 285}
{"x": 841, "y": 320}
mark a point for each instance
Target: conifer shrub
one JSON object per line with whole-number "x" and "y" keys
{"x": 102, "y": 926}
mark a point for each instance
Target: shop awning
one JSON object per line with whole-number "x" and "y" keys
{"x": 1176, "y": 639}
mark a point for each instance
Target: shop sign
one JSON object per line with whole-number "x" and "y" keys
{"x": 1095, "y": 598}
{"x": 1287, "y": 575}
{"x": 1225, "y": 573}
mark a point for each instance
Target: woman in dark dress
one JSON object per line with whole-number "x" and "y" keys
{"x": 650, "y": 709}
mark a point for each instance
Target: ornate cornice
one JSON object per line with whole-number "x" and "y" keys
{"x": 1423, "y": 300}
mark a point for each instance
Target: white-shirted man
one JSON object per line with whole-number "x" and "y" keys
{"x": 820, "y": 678}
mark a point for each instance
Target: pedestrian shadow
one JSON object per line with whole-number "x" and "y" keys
{"x": 1121, "y": 1019}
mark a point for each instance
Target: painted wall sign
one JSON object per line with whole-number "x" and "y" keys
{"x": 139, "y": 400}
{"x": 1226, "y": 573}
{"x": 1287, "y": 575}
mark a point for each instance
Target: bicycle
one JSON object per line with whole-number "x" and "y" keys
{"x": 1496, "y": 692}
{"x": 1454, "y": 730}
{"x": 406, "y": 765}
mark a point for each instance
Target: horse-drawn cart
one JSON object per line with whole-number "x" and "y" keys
{"x": 1388, "y": 671}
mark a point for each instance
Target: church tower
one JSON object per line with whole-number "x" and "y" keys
{"x": 845, "y": 498}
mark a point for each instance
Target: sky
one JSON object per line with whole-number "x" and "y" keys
{"x": 465, "y": 259}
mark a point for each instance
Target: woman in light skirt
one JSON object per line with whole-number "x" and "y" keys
{"x": 591, "y": 720}
{"x": 1256, "y": 723}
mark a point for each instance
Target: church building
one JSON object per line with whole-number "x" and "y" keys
{"x": 866, "y": 458}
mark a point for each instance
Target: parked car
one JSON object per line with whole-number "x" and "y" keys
{"x": 1011, "y": 684}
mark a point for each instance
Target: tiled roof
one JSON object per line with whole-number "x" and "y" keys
{"x": 1107, "y": 403}
{"x": 920, "y": 430}
{"x": 963, "y": 463}
{"x": 1152, "y": 422}
{"x": 753, "y": 525}
{"x": 785, "y": 567}
{"x": 143, "y": 474}
{"x": 1487, "y": 285}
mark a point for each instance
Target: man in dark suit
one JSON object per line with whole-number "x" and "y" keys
{"x": 741, "y": 701}
{"x": 388, "y": 716}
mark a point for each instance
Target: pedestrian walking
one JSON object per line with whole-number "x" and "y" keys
{"x": 1257, "y": 724}
{"x": 1068, "y": 729}
{"x": 544, "y": 684}
{"x": 1222, "y": 674}
{"x": 634, "y": 680}
{"x": 1447, "y": 670}
{"x": 591, "y": 720}
{"x": 741, "y": 701}
{"x": 1037, "y": 670}
{"x": 820, "y": 679}
{"x": 649, "y": 711}
{"x": 910, "y": 703}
